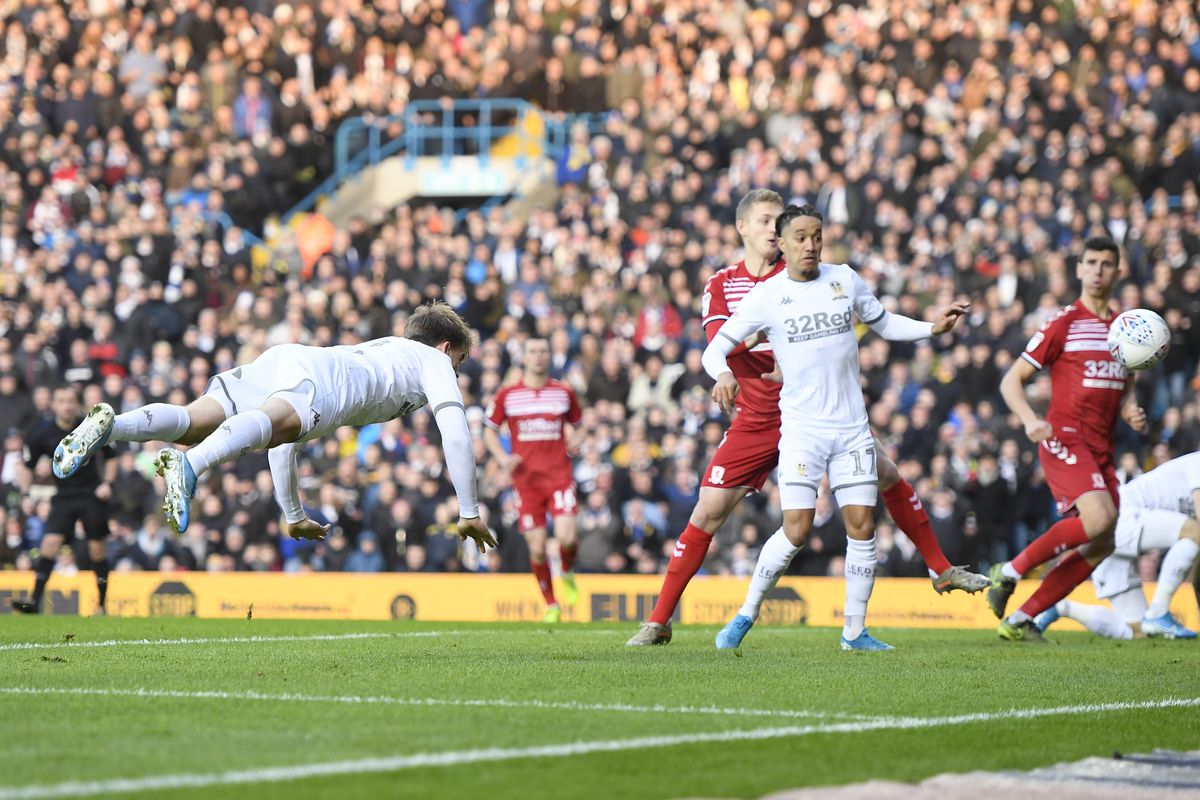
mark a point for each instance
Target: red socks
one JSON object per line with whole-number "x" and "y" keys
{"x": 1058, "y": 583}
{"x": 542, "y": 573}
{"x": 1062, "y": 536}
{"x": 566, "y": 554}
{"x": 690, "y": 550}
{"x": 905, "y": 507}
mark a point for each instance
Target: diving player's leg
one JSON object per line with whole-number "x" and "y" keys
{"x": 909, "y": 515}
{"x": 1100, "y": 620}
{"x": 162, "y": 422}
{"x": 1180, "y": 534}
{"x": 279, "y": 421}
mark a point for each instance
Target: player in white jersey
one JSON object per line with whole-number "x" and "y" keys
{"x": 1158, "y": 512}
{"x": 294, "y": 393}
{"x": 807, "y": 315}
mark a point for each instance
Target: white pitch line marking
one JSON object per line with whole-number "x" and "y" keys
{"x": 220, "y": 640}
{"x": 495, "y": 754}
{"x": 434, "y": 701}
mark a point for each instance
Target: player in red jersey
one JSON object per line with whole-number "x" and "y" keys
{"x": 749, "y": 452}
{"x": 1075, "y": 441}
{"x": 537, "y": 410}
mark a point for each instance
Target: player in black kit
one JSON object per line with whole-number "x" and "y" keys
{"x": 82, "y": 497}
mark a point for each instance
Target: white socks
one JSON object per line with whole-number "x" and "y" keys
{"x": 157, "y": 422}
{"x": 1008, "y": 571}
{"x": 773, "y": 561}
{"x": 1176, "y": 565}
{"x": 860, "y": 580}
{"x": 1100, "y": 620}
{"x": 238, "y": 435}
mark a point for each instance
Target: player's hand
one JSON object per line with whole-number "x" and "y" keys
{"x": 1135, "y": 415}
{"x": 775, "y": 375}
{"x": 103, "y": 492}
{"x": 726, "y": 392}
{"x": 949, "y": 317}
{"x": 1039, "y": 430}
{"x": 509, "y": 461}
{"x": 473, "y": 528}
{"x": 307, "y": 529}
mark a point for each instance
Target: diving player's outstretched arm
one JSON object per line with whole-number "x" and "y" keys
{"x": 440, "y": 385}
{"x": 287, "y": 493}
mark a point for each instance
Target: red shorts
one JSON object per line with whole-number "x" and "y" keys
{"x": 1073, "y": 470}
{"x": 540, "y": 496}
{"x": 745, "y": 458}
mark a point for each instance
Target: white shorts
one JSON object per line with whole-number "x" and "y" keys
{"x": 1142, "y": 529}
{"x": 848, "y": 457}
{"x": 276, "y": 374}
{"x": 1116, "y": 576}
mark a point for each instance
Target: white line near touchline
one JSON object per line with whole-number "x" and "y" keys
{"x": 328, "y": 637}
{"x": 494, "y": 754}
{"x": 435, "y": 701}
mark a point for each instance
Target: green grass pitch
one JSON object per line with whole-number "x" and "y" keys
{"x": 306, "y": 709}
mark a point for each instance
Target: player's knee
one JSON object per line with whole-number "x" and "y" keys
{"x": 797, "y": 533}
{"x": 1098, "y": 549}
{"x": 710, "y": 512}
{"x": 1190, "y": 530}
{"x": 860, "y": 529}
{"x": 535, "y": 540}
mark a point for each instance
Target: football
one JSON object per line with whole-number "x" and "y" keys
{"x": 1139, "y": 338}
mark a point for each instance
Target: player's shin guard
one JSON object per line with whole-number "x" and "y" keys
{"x": 1058, "y": 583}
{"x": 1062, "y": 536}
{"x": 860, "y": 581}
{"x": 773, "y": 561}
{"x": 1100, "y": 620}
{"x": 906, "y": 509}
{"x": 1176, "y": 565}
{"x": 238, "y": 435}
{"x": 157, "y": 422}
{"x": 690, "y": 550}
{"x": 542, "y": 573}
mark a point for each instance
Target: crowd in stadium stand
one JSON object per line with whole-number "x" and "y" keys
{"x": 955, "y": 149}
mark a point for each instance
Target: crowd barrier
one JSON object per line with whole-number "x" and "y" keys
{"x": 896, "y": 602}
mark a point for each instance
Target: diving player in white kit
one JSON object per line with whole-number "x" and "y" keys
{"x": 294, "y": 393}
{"x": 1158, "y": 512}
{"x": 807, "y": 315}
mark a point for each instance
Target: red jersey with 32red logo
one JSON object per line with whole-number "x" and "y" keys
{"x": 535, "y": 420}
{"x": 1087, "y": 388}
{"x": 1087, "y": 384}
